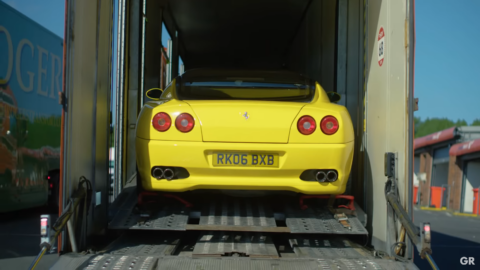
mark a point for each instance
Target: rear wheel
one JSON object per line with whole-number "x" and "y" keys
{"x": 54, "y": 197}
{"x": 6, "y": 179}
{"x": 139, "y": 182}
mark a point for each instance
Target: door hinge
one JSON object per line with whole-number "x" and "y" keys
{"x": 62, "y": 99}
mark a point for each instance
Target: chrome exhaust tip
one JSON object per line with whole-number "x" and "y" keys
{"x": 157, "y": 173}
{"x": 332, "y": 176}
{"x": 168, "y": 173}
{"x": 321, "y": 176}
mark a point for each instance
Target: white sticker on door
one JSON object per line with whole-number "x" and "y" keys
{"x": 381, "y": 46}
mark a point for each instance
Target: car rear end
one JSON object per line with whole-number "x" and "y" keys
{"x": 252, "y": 132}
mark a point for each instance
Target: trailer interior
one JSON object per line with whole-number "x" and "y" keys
{"x": 334, "y": 42}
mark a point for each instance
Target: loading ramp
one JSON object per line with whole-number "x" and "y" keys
{"x": 141, "y": 249}
{"x": 235, "y": 214}
{"x": 222, "y": 232}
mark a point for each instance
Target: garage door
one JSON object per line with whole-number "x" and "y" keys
{"x": 471, "y": 180}
{"x": 440, "y": 173}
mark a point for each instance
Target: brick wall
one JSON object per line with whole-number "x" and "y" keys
{"x": 425, "y": 167}
{"x": 455, "y": 175}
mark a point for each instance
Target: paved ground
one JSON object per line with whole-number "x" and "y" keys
{"x": 453, "y": 237}
{"x": 20, "y": 240}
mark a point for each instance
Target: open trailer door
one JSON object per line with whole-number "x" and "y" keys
{"x": 388, "y": 118}
{"x": 87, "y": 88}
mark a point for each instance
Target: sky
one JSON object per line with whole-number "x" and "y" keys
{"x": 447, "y": 61}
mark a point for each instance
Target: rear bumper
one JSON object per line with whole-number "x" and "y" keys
{"x": 196, "y": 157}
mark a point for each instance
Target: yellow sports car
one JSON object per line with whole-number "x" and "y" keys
{"x": 243, "y": 130}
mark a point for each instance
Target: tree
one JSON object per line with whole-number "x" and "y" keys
{"x": 112, "y": 136}
{"x": 460, "y": 123}
{"x": 476, "y": 122}
{"x": 432, "y": 125}
{"x": 417, "y": 124}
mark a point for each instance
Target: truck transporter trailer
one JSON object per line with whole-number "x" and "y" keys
{"x": 360, "y": 49}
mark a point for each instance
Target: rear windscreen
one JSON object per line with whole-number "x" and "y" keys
{"x": 243, "y": 88}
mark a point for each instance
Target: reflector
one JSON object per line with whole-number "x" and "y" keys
{"x": 306, "y": 125}
{"x": 329, "y": 125}
{"x": 184, "y": 122}
{"x": 161, "y": 122}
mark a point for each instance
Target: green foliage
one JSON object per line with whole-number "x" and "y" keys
{"x": 112, "y": 137}
{"x": 476, "y": 122}
{"x": 432, "y": 125}
{"x": 43, "y": 132}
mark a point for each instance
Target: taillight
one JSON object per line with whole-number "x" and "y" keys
{"x": 329, "y": 125}
{"x": 51, "y": 185}
{"x": 306, "y": 125}
{"x": 161, "y": 122}
{"x": 184, "y": 122}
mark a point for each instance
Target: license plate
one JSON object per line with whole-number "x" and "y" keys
{"x": 245, "y": 159}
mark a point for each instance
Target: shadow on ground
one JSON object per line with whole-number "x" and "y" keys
{"x": 447, "y": 251}
{"x": 20, "y": 238}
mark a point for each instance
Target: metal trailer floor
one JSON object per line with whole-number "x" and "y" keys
{"x": 242, "y": 250}
{"x": 231, "y": 233}
{"x": 238, "y": 214}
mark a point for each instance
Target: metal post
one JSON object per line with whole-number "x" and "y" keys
{"x": 119, "y": 102}
{"x": 169, "y": 65}
{"x": 71, "y": 236}
{"x": 478, "y": 201}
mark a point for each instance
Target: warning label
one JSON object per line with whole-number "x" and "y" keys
{"x": 381, "y": 46}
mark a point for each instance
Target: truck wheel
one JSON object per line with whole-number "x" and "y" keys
{"x": 54, "y": 197}
{"x": 6, "y": 179}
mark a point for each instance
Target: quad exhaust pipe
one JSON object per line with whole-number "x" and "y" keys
{"x": 158, "y": 173}
{"x": 326, "y": 176}
{"x": 168, "y": 174}
{"x": 321, "y": 176}
{"x": 332, "y": 176}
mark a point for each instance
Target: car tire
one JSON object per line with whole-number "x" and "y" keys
{"x": 6, "y": 179}
{"x": 55, "y": 196}
{"x": 140, "y": 188}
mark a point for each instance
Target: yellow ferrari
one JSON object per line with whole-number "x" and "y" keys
{"x": 243, "y": 130}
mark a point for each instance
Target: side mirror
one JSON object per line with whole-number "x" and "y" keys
{"x": 154, "y": 93}
{"x": 334, "y": 97}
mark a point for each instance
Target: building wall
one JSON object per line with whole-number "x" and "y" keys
{"x": 416, "y": 167}
{"x": 455, "y": 175}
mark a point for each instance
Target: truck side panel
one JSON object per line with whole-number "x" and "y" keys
{"x": 30, "y": 115}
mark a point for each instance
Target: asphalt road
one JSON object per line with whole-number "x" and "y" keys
{"x": 453, "y": 237}
{"x": 20, "y": 240}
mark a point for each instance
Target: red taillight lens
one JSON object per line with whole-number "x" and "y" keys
{"x": 306, "y": 125}
{"x": 51, "y": 185}
{"x": 184, "y": 122}
{"x": 161, "y": 122}
{"x": 329, "y": 125}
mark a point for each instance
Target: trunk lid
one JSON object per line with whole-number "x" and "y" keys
{"x": 245, "y": 121}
